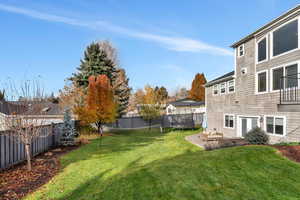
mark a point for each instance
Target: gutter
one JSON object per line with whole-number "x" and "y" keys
{"x": 219, "y": 80}
{"x": 258, "y": 31}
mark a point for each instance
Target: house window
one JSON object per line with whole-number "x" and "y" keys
{"x": 290, "y": 74}
{"x": 241, "y": 50}
{"x": 262, "y": 50}
{"x": 223, "y": 88}
{"x": 285, "y": 38}
{"x": 262, "y": 82}
{"x": 230, "y": 85}
{"x": 229, "y": 121}
{"x": 215, "y": 92}
{"x": 275, "y": 125}
{"x": 277, "y": 78}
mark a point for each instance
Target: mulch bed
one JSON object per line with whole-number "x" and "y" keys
{"x": 292, "y": 152}
{"x": 16, "y": 182}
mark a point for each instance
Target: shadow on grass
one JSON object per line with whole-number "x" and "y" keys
{"x": 250, "y": 172}
{"x": 120, "y": 141}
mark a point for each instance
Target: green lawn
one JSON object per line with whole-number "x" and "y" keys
{"x": 149, "y": 165}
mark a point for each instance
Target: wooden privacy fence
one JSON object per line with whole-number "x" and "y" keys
{"x": 12, "y": 151}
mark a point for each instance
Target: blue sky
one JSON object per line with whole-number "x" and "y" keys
{"x": 159, "y": 42}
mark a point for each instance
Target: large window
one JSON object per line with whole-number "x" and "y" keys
{"x": 215, "y": 92}
{"x": 230, "y": 85}
{"x": 262, "y": 50}
{"x": 285, "y": 38}
{"x": 229, "y": 121}
{"x": 262, "y": 81}
{"x": 287, "y": 73}
{"x": 275, "y": 125}
{"x": 222, "y": 88}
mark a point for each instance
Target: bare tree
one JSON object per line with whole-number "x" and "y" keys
{"x": 24, "y": 108}
{"x": 110, "y": 51}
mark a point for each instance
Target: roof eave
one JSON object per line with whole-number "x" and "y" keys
{"x": 252, "y": 35}
{"x": 219, "y": 81}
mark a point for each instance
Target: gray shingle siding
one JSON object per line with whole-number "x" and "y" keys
{"x": 244, "y": 101}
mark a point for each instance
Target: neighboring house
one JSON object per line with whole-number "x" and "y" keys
{"x": 43, "y": 113}
{"x": 263, "y": 90}
{"x": 185, "y": 106}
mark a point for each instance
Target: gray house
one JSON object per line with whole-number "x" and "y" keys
{"x": 263, "y": 90}
{"x": 185, "y": 106}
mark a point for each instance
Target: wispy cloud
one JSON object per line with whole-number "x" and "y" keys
{"x": 181, "y": 76}
{"x": 181, "y": 44}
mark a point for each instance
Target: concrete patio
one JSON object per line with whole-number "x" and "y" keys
{"x": 197, "y": 139}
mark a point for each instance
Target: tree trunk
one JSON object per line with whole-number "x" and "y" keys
{"x": 28, "y": 156}
{"x": 100, "y": 130}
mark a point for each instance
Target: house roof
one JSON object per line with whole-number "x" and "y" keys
{"x": 222, "y": 78}
{"x": 30, "y": 108}
{"x": 252, "y": 35}
{"x": 7, "y": 108}
{"x": 186, "y": 102}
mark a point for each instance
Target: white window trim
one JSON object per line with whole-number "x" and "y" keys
{"x": 238, "y": 123}
{"x": 238, "y": 51}
{"x": 267, "y": 82}
{"x": 220, "y": 88}
{"x": 224, "y": 120}
{"x": 283, "y": 66}
{"x": 233, "y": 87}
{"x": 213, "y": 90}
{"x": 271, "y": 38}
{"x": 267, "y": 50}
{"x": 275, "y": 116}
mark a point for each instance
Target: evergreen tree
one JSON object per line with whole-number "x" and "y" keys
{"x": 197, "y": 91}
{"x": 68, "y": 130}
{"x": 101, "y": 59}
{"x": 94, "y": 63}
{"x": 122, "y": 92}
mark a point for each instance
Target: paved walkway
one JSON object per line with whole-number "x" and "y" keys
{"x": 196, "y": 140}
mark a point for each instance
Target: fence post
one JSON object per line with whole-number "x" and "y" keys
{"x": 53, "y": 135}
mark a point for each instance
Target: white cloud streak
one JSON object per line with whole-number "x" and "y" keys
{"x": 180, "y": 44}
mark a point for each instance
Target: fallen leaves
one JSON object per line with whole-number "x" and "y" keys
{"x": 17, "y": 182}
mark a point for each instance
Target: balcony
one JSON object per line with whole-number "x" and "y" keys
{"x": 289, "y": 94}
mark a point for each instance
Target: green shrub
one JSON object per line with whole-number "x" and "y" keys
{"x": 257, "y": 136}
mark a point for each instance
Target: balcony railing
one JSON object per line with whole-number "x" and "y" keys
{"x": 289, "y": 89}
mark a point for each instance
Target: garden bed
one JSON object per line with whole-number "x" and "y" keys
{"x": 16, "y": 182}
{"x": 292, "y": 152}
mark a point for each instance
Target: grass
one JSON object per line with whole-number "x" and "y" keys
{"x": 145, "y": 165}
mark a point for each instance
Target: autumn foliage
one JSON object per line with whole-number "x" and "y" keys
{"x": 100, "y": 107}
{"x": 197, "y": 91}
